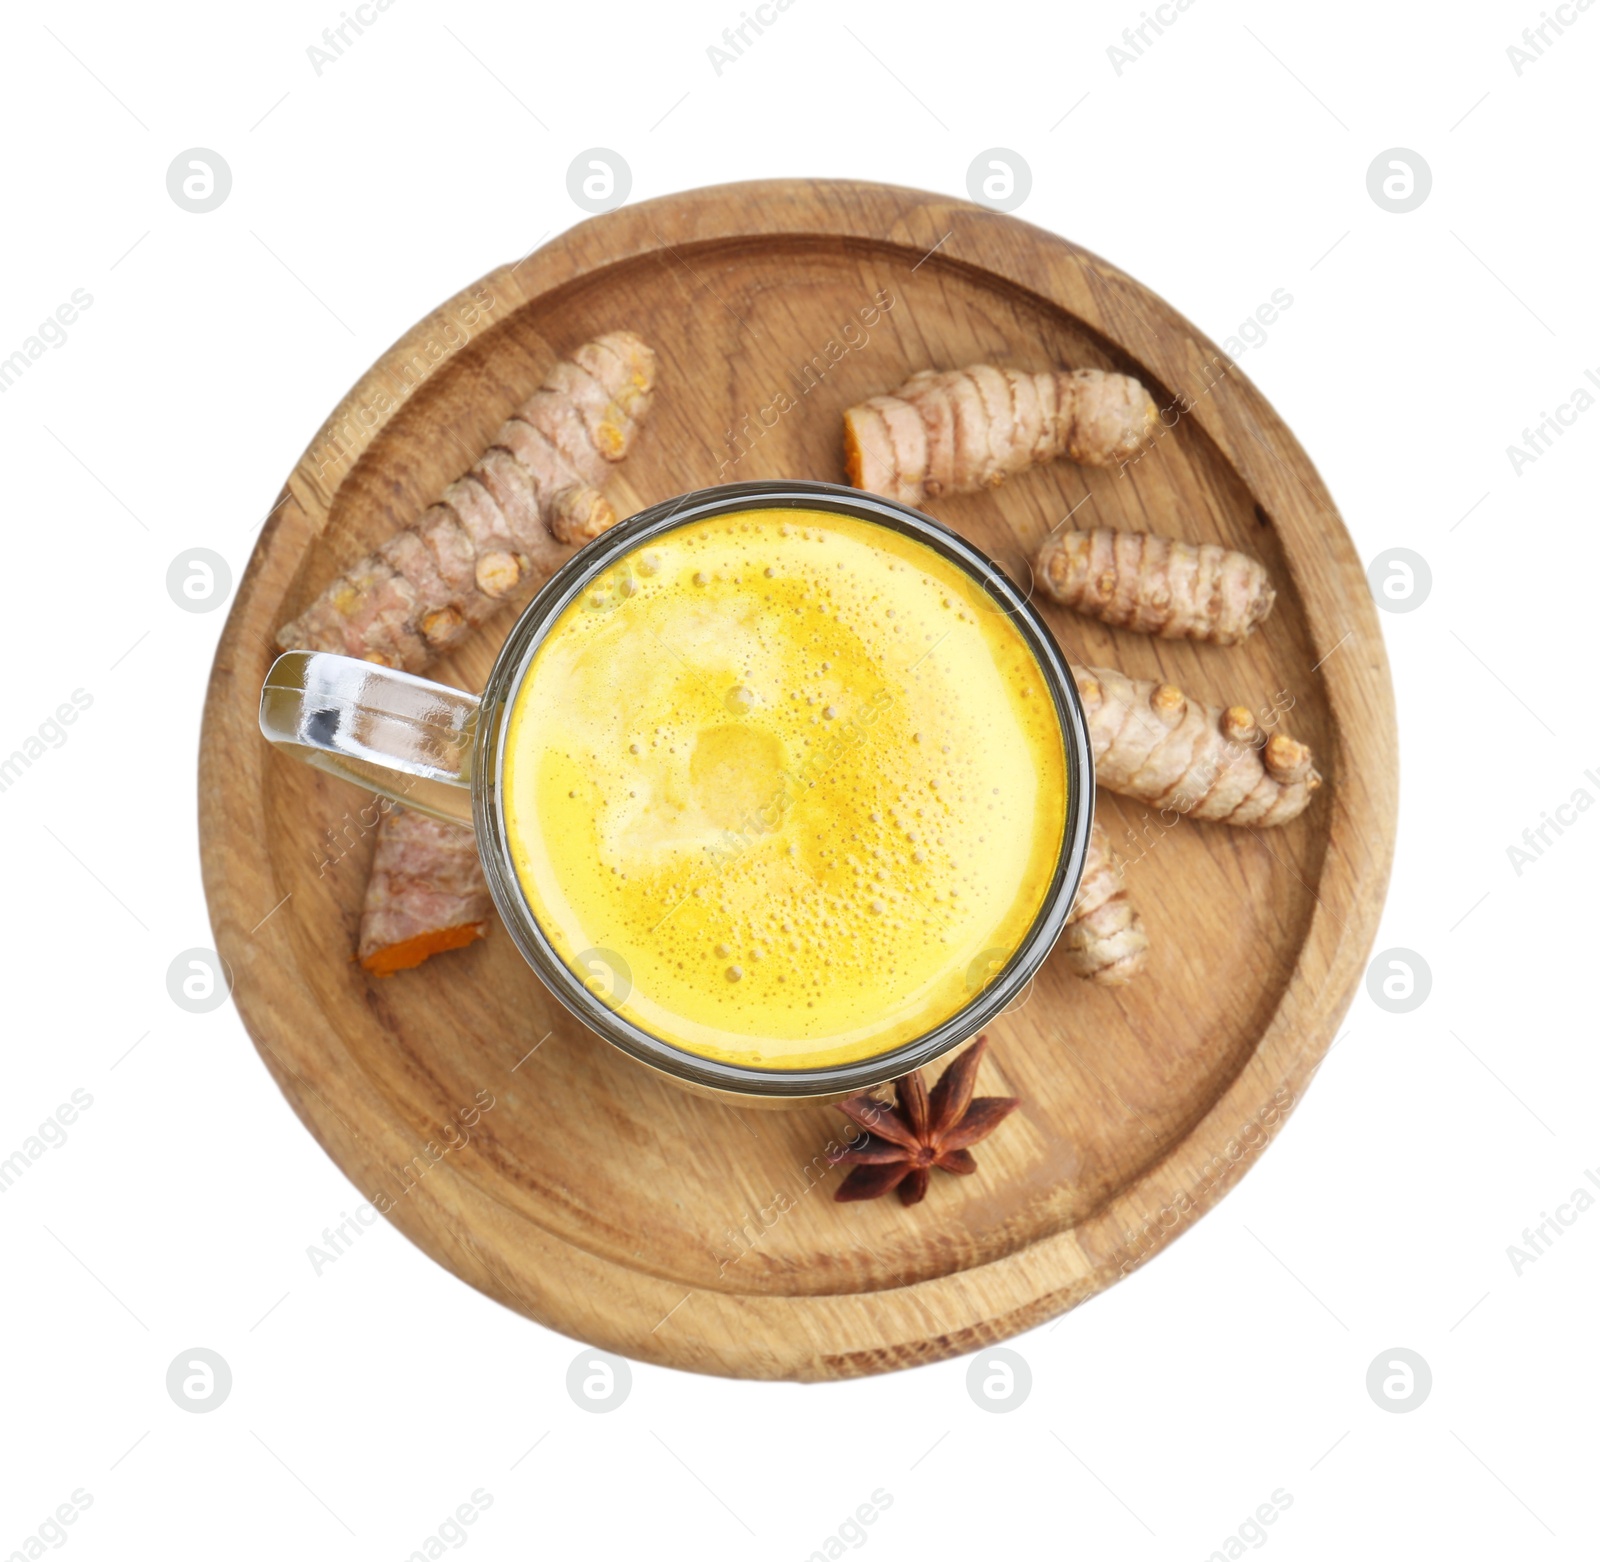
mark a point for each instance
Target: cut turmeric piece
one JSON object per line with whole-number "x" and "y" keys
{"x": 426, "y": 893}
{"x": 1156, "y": 585}
{"x": 960, "y": 430}
{"x": 1152, "y": 742}
{"x": 1105, "y": 941}
{"x": 403, "y": 956}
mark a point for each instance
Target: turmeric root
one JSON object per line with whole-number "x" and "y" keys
{"x": 426, "y": 893}
{"x": 966, "y": 429}
{"x": 1104, "y": 940}
{"x": 1152, "y": 742}
{"x": 1156, "y": 585}
{"x": 509, "y": 522}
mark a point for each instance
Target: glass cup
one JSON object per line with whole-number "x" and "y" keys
{"x": 441, "y": 751}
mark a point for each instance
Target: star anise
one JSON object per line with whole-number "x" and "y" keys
{"x": 922, "y": 1131}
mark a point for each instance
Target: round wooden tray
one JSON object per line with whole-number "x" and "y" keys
{"x": 595, "y": 1197}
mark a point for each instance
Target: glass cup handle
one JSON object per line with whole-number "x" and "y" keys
{"x": 388, "y": 731}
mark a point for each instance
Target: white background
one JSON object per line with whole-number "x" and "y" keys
{"x": 1228, "y": 161}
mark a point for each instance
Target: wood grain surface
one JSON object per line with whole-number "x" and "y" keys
{"x": 592, "y": 1195}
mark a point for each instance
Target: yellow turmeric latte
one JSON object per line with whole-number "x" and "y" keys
{"x": 786, "y": 766}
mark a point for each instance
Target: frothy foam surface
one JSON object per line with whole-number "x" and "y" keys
{"x": 788, "y": 767}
